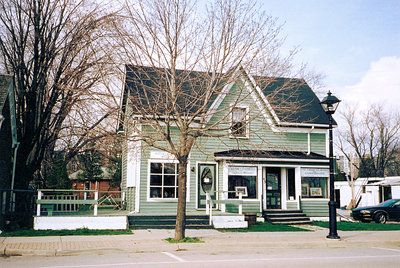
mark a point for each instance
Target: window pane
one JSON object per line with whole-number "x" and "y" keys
{"x": 169, "y": 192}
{"x": 155, "y": 192}
{"x": 248, "y": 181}
{"x": 314, "y": 187}
{"x": 155, "y": 180}
{"x": 169, "y": 180}
{"x": 238, "y": 114}
{"x": 156, "y": 168}
{"x": 273, "y": 181}
{"x": 238, "y": 127}
{"x": 169, "y": 168}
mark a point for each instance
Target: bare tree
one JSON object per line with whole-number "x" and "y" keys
{"x": 55, "y": 52}
{"x": 373, "y": 136}
{"x": 191, "y": 57}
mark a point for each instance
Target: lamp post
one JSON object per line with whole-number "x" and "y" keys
{"x": 330, "y": 104}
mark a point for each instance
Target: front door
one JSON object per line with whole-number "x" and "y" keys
{"x": 209, "y": 171}
{"x": 273, "y": 188}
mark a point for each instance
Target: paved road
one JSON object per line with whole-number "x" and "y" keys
{"x": 260, "y": 257}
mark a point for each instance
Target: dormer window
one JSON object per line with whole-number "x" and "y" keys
{"x": 239, "y": 126}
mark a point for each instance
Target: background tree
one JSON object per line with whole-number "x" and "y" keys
{"x": 173, "y": 35}
{"x": 91, "y": 162}
{"x": 373, "y": 136}
{"x": 57, "y": 177}
{"x": 55, "y": 51}
{"x": 114, "y": 165}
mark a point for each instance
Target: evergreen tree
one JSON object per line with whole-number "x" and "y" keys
{"x": 367, "y": 168}
{"x": 57, "y": 177}
{"x": 115, "y": 165}
{"x": 91, "y": 162}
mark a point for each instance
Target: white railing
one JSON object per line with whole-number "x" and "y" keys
{"x": 58, "y": 201}
{"x": 223, "y": 202}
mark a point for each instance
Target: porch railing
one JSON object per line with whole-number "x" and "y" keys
{"x": 210, "y": 202}
{"x": 65, "y": 201}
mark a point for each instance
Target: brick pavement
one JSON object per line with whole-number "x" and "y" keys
{"x": 153, "y": 241}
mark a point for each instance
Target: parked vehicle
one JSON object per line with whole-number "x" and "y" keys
{"x": 388, "y": 210}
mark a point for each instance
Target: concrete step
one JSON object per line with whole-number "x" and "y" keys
{"x": 231, "y": 221}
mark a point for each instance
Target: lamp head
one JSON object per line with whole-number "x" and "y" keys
{"x": 330, "y": 103}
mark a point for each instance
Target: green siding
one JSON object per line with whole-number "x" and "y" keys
{"x": 315, "y": 208}
{"x": 318, "y": 144}
{"x": 291, "y": 205}
{"x": 261, "y": 137}
{"x": 250, "y": 206}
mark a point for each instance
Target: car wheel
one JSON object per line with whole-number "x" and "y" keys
{"x": 380, "y": 218}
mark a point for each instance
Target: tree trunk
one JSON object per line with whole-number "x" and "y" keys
{"x": 181, "y": 210}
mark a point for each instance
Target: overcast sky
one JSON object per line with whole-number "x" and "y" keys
{"x": 355, "y": 43}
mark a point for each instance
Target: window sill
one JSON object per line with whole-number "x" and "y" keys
{"x": 238, "y": 137}
{"x": 163, "y": 200}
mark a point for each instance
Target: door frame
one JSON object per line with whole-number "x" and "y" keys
{"x": 282, "y": 185}
{"x": 198, "y": 186}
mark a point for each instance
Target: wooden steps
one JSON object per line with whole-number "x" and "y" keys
{"x": 289, "y": 217}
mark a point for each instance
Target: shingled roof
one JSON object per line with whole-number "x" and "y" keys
{"x": 145, "y": 86}
{"x": 292, "y": 100}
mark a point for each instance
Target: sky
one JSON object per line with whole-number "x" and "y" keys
{"x": 354, "y": 43}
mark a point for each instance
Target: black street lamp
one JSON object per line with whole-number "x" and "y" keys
{"x": 330, "y": 104}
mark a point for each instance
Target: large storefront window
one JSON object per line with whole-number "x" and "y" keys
{"x": 314, "y": 187}
{"x": 244, "y": 180}
{"x": 314, "y": 183}
{"x": 163, "y": 180}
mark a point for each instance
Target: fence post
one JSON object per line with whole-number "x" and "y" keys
{"x": 96, "y": 198}
{"x": 39, "y": 197}
{"x": 13, "y": 201}
{"x": 207, "y": 203}
{"x": 211, "y": 206}
{"x": 240, "y": 205}
{"x": 3, "y": 203}
{"x": 223, "y": 206}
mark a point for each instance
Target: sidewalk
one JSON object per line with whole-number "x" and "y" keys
{"x": 152, "y": 241}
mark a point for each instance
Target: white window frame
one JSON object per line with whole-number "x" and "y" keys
{"x": 247, "y": 123}
{"x": 257, "y": 180}
{"x": 163, "y": 161}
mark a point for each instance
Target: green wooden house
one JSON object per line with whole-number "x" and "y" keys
{"x": 273, "y": 154}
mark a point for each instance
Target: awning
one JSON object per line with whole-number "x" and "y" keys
{"x": 265, "y": 155}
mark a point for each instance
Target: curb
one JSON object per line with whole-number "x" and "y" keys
{"x": 29, "y": 252}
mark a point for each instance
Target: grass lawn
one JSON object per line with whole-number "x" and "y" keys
{"x": 83, "y": 231}
{"x": 360, "y": 226}
{"x": 185, "y": 240}
{"x": 268, "y": 227}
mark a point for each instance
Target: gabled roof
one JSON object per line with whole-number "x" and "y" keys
{"x": 292, "y": 101}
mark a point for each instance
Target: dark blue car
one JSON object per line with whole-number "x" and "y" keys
{"x": 388, "y": 210}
